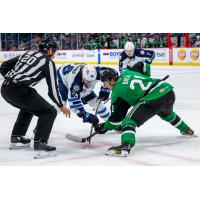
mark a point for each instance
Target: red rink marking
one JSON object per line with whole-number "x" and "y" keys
{"x": 172, "y": 155}
{"x": 130, "y": 158}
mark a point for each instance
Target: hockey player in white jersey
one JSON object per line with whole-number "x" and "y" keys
{"x": 136, "y": 59}
{"x": 76, "y": 84}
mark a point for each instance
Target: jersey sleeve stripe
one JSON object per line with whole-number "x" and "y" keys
{"x": 73, "y": 99}
{"x": 53, "y": 82}
{"x": 76, "y": 106}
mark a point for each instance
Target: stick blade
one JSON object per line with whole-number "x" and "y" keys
{"x": 73, "y": 138}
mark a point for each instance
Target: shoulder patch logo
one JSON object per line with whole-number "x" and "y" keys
{"x": 76, "y": 88}
{"x": 142, "y": 52}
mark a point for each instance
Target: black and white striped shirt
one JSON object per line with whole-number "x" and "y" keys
{"x": 29, "y": 69}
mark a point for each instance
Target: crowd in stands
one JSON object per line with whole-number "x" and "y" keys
{"x": 27, "y": 41}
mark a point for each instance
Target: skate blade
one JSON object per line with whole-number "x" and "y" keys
{"x": 189, "y": 136}
{"x": 116, "y": 153}
{"x": 44, "y": 154}
{"x": 19, "y": 146}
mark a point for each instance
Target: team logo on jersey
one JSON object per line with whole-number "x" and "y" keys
{"x": 181, "y": 54}
{"x": 142, "y": 53}
{"x": 128, "y": 63}
{"x": 126, "y": 79}
{"x": 194, "y": 54}
{"x": 76, "y": 88}
{"x": 163, "y": 89}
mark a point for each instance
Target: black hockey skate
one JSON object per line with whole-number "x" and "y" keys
{"x": 19, "y": 142}
{"x": 121, "y": 150}
{"x": 43, "y": 150}
{"x": 189, "y": 132}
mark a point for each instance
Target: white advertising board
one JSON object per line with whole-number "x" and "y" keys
{"x": 180, "y": 56}
{"x": 190, "y": 56}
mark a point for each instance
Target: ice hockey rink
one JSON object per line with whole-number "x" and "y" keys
{"x": 158, "y": 143}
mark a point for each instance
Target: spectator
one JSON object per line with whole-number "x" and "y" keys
{"x": 35, "y": 42}
{"x": 93, "y": 40}
{"x": 197, "y": 43}
{"x": 22, "y": 46}
{"x": 122, "y": 40}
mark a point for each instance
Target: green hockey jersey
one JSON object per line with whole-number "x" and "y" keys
{"x": 132, "y": 86}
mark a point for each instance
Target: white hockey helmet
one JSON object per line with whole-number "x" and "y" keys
{"x": 129, "y": 46}
{"x": 89, "y": 73}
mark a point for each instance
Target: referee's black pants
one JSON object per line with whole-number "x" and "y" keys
{"x": 30, "y": 103}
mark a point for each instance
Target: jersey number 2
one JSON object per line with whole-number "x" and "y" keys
{"x": 28, "y": 59}
{"x": 141, "y": 84}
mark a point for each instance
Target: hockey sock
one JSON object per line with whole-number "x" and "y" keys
{"x": 176, "y": 121}
{"x": 128, "y": 132}
{"x": 128, "y": 137}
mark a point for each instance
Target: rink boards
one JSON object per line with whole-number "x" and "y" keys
{"x": 164, "y": 56}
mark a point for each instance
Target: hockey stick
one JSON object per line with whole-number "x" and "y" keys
{"x": 154, "y": 85}
{"x": 85, "y": 139}
{"x": 78, "y": 139}
{"x": 89, "y": 140}
{"x": 107, "y": 100}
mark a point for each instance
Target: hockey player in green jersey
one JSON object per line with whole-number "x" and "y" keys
{"x": 146, "y": 97}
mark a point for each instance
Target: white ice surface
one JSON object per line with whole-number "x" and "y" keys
{"x": 158, "y": 143}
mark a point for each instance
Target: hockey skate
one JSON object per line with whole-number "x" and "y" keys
{"x": 189, "y": 133}
{"x": 19, "y": 142}
{"x": 121, "y": 150}
{"x": 43, "y": 150}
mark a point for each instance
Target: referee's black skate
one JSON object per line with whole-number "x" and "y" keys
{"x": 43, "y": 150}
{"x": 189, "y": 132}
{"x": 121, "y": 150}
{"x": 19, "y": 142}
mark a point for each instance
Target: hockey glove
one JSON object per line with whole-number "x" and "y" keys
{"x": 100, "y": 128}
{"x": 90, "y": 118}
{"x": 104, "y": 93}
